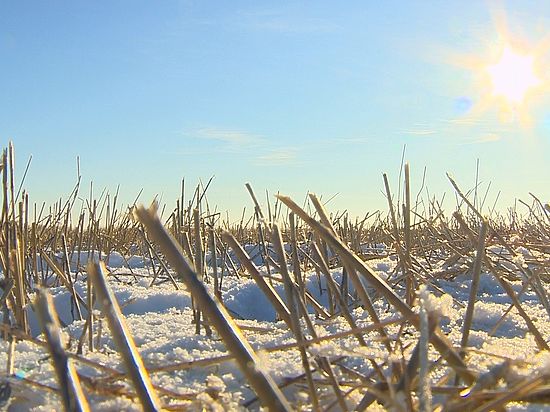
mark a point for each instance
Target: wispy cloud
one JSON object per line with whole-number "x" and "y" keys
{"x": 250, "y": 147}
{"x": 230, "y": 136}
{"x": 278, "y": 157}
{"x": 462, "y": 130}
{"x": 466, "y": 121}
{"x": 420, "y": 129}
{"x": 419, "y": 132}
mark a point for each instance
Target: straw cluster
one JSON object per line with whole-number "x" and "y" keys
{"x": 195, "y": 248}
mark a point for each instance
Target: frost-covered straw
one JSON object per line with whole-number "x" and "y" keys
{"x": 268, "y": 290}
{"x": 440, "y": 342}
{"x": 476, "y": 272}
{"x": 480, "y": 216}
{"x": 61, "y": 276}
{"x": 199, "y": 267}
{"x": 247, "y": 360}
{"x": 295, "y": 257}
{"x": 123, "y": 339}
{"x": 295, "y": 305}
{"x": 424, "y": 388}
{"x": 359, "y": 287}
{"x": 294, "y": 313}
{"x": 323, "y": 267}
{"x": 69, "y": 384}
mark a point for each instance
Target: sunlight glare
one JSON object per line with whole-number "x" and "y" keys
{"x": 513, "y": 76}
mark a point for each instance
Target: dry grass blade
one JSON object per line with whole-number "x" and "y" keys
{"x": 69, "y": 384}
{"x": 541, "y": 342}
{"x": 269, "y": 349}
{"x": 294, "y": 313}
{"x": 260, "y": 380}
{"x": 478, "y": 214}
{"x": 346, "y": 274}
{"x": 4, "y": 306}
{"x": 59, "y": 272}
{"x": 18, "y": 260}
{"x": 352, "y": 273}
{"x": 5, "y": 293}
{"x": 438, "y": 340}
{"x": 407, "y": 223}
{"x": 267, "y": 289}
{"x": 422, "y": 347}
{"x": 395, "y": 229}
{"x": 416, "y": 361}
{"x": 476, "y": 272}
{"x": 322, "y": 212}
{"x": 257, "y": 207}
{"x": 295, "y": 257}
{"x": 323, "y": 267}
{"x": 90, "y": 317}
{"x": 123, "y": 339}
{"x": 517, "y": 392}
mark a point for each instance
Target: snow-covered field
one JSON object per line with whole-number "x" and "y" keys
{"x": 193, "y": 372}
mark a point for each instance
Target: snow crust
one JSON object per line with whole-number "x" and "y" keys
{"x": 161, "y": 321}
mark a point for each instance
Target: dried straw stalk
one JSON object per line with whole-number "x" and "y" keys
{"x": 249, "y": 363}
{"x": 69, "y": 383}
{"x": 123, "y": 339}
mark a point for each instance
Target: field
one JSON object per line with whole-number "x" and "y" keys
{"x": 291, "y": 308}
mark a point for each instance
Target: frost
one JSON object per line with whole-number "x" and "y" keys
{"x": 302, "y": 397}
{"x": 542, "y": 363}
{"x": 515, "y": 239}
{"x": 215, "y": 384}
{"x": 324, "y": 349}
{"x": 442, "y": 305}
{"x": 519, "y": 261}
{"x": 206, "y": 403}
{"x": 263, "y": 363}
{"x": 161, "y": 321}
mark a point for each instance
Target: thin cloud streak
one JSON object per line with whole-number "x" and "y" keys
{"x": 461, "y": 130}
{"x": 420, "y": 132}
{"x": 469, "y": 121}
{"x": 229, "y": 136}
{"x": 278, "y": 157}
{"x": 251, "y": 147}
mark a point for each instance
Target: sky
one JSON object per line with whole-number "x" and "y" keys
{"x": 289, "y": 96}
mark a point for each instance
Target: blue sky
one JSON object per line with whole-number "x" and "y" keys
{"x": 289, "y": 96}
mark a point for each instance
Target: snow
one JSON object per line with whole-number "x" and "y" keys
{"x": 160, "y": 319}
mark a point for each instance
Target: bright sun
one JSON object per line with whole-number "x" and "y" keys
{"x": 513, "y": 76}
